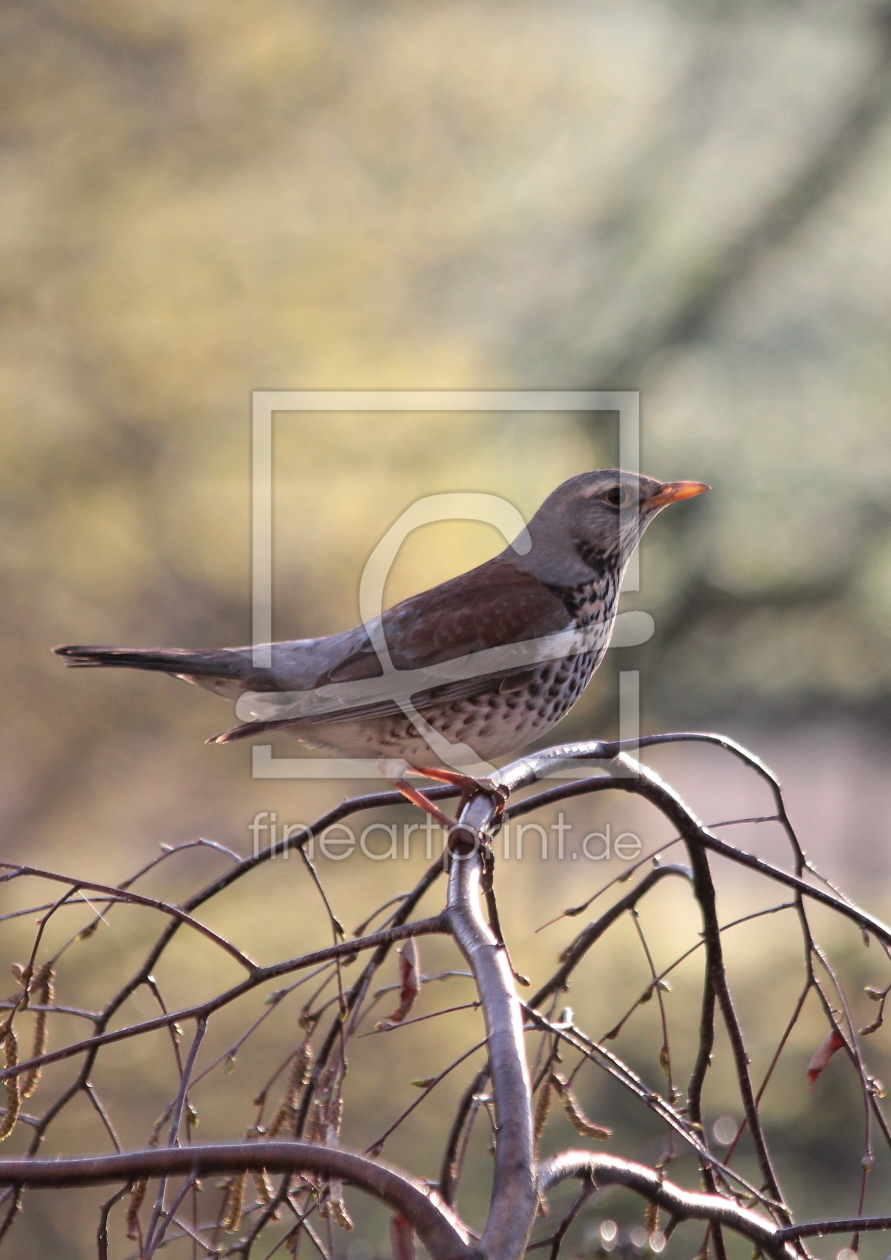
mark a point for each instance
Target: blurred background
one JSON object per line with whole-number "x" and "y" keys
{"x": 692, "y": 200}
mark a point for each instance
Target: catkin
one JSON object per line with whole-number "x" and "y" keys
{"x": 328, "y": 1121}
{"x": 542, "y": 1108}
{"x": 316, "y": 1123}
{"x": 278, "y": 1121}
{"x": 334, "y": 1120}
{"x": 233, "y": 1204}
{"x": 577, "y": 1117}
{"x": 302, "y": 1066}
{"x": 43, "y": 989}
{"x": 299, "y": 1075}
{"x": 263, "y": 1186}
{"x": 337, "y": 1209}
{"x": 13, "y": 1093}
{"x": 137, "y": 1194}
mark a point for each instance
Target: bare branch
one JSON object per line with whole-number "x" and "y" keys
{"x": 385, "y": 937}
{"x": 683, "y": 1205}
{"x": 854, "y": 1224}
{"x": 119, "y": 894}
{"x": 512, "y": 1209}
{"x": 574, "y": 953}
{"x": 436, "y": 1225}
{"x": 312, "y": 1095}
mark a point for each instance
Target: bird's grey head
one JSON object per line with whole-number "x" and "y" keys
{"x": 594, "y": 521}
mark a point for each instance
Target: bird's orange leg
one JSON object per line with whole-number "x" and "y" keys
{"x": 419, "y": 799}
{"x": 468, "y": 785}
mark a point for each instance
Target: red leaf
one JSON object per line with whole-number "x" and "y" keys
{"x": 834, "y": 1041}
{"x": 409, "y": 984}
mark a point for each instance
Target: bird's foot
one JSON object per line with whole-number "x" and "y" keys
{"x": 418, "y": 798}
{"x": 468, "y": 784}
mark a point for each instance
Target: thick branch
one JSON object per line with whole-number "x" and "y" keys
{"x": 514, "y": 1196}
{"x": 436, "y": 1225}
{"x": 682, "y": 1205}
{"x": 513, "y": 1200}
{"x": 851, "y": 1225}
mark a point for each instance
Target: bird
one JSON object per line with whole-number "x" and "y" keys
{"x": 471, "y": 669}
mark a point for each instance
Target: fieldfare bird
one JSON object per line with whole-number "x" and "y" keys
{"x": 473, "y": 668}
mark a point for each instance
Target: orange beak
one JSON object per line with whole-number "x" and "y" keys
{"x": 674, "y": 491}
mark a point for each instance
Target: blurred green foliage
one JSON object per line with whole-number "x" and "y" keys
{"x": 196, "y": 201}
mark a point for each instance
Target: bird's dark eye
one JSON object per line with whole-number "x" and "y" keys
{"x": 618, "y": 496}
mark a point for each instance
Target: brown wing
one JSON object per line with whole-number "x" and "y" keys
{"x": 488, "y": 607}
{"x": 491, "y": 606}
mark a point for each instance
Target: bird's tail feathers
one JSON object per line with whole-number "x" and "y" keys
{"x": 221, "y": 664}
{"x": 247, "y": 729}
